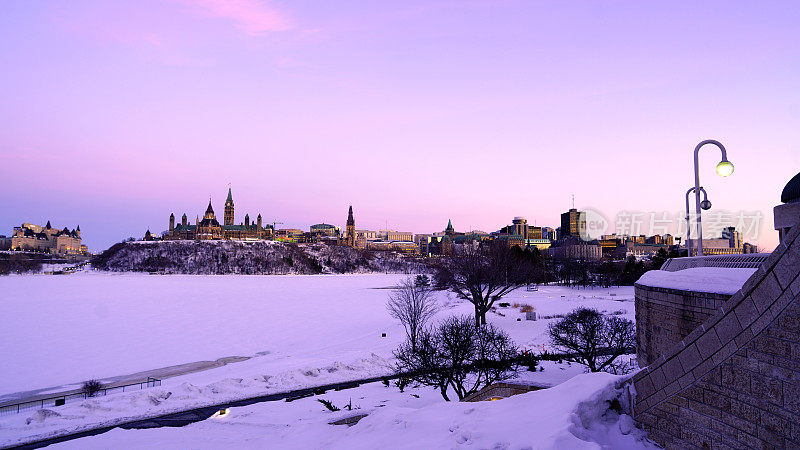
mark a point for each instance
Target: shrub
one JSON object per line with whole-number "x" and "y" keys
{"x": 91, "y": 387}
{"x": 459, "y": 355}
{"x": 592, "y": 339}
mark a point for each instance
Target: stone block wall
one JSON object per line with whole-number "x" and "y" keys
{"x": 734, "y": 381}
{"x": 665, "y": 316}
{"x": 752, "y": 400}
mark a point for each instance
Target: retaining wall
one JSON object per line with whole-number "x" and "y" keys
{"x": 665, "y": 316}
{"x": 734, "y": 381}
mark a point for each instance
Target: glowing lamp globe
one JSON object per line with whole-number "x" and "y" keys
{"x": 724, "y": 168}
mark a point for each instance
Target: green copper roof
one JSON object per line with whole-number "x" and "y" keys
{"x": 230, "y": 197}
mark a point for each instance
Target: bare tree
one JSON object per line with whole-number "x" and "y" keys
{"x": 592, "y": 339}
{"x": 413, "y": 305}
{"x": 481, "y": 275}
{"x": 460, "y": 356}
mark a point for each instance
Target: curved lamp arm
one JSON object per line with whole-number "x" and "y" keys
{"x": 697, "y": 188}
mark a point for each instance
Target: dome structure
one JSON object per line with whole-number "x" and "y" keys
{"x": 791, "y": 192}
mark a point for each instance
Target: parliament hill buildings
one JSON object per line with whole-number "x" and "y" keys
{"x": 209, "y": 228}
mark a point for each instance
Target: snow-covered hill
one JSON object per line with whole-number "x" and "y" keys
{"x": 237, "y": 257}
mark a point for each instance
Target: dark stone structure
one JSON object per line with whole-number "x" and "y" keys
{"x": 665, "y": 316}
{"x": 733, "y": 381}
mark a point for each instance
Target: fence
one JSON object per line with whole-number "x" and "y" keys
{"x": 744, "y": 261}
{"x": 59, "y": 400}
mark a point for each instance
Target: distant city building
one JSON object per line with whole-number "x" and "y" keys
{"x": 324, "y": 229}
{"x": 391, "y": 235}
{"x": 549, "y": 233}
{"x": 350, "y": 230}
{"x": 730, "y": 243}
{"x": 541, "y": 244}
{"x": 575, "y": 248}
{"x": 519, "y": 226}
{"x": 290, "y": 234}
{"x": 409, "y": 247}
{"x": 510, "y": 240}
{"x": 733, "y": 236}
{"x": 46, "y": 239}
{"x": 5, "y": 243}
{"x": 573, "y": 223}
{"x": 654, "y": 239}
{"x": 210, "y": 229}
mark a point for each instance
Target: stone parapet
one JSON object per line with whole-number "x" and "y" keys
{"x": 733, "y": 381}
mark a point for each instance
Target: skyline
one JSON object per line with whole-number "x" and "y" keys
{"x": 414, "y": 113}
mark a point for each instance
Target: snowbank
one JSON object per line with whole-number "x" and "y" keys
{"x": 98, "y": 412}
{"x": 573, "y": 415}
{"x": 718, "y": 280}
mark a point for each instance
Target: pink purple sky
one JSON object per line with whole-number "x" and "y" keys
{"x": 115, "y": 114}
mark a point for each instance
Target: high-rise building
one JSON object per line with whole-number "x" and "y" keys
{"x": 520, "y": 226}
{"x": 734, "y": 237}
{"x": 573, "y": 223}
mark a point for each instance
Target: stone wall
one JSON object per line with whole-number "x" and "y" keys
{"x": 665, "y": 316}
{"x": 734, "y": 381}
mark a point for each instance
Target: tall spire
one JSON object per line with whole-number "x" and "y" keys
{"x": 229, "y": 215}
{"x": 350, "y": 230}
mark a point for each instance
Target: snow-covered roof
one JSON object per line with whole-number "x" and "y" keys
{"x": 719, "y": 280}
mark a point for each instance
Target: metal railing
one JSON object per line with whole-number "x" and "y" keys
{"x": 745, "y": 261}
{"x": 64, "y": 398}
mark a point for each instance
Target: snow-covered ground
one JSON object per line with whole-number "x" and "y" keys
{"x": 298, "y": 331}
{"x": 573, "y": 415}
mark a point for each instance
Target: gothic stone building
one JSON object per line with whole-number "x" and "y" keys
{"x": 210, "y": 229}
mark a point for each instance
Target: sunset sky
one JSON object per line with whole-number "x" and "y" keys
{"x": 115, "y": 114}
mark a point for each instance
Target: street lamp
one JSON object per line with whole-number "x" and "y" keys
{"x": 704, "y": 205}
{"x": 724, "y": 169}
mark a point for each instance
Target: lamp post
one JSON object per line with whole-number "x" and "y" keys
{"x": 705, "y": 205}
{"x": 724, "y": 169}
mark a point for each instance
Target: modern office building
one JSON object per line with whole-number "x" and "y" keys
{"x": 573, "y": 223}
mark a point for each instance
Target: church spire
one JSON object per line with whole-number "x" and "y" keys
{"x": 350, "y": 230}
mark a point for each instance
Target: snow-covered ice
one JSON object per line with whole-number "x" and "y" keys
{"x": 60, "y": 330}
{"x": 299, "y": 331}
